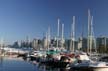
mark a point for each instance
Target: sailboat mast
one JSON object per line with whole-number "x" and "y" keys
{"x": 72, "y": 46}
{"x": 93, "y": 38}
{"x": 62, "y": 37}
{"x": 73, "y": 34}
{"x": 62, "y": 31}
{"x": 91, "y": 34}
{"x": 48, "y": 37}
{"x": 88, "y": 43}
{"x": 58, "y": 32}
{"x": 71, "y": 39}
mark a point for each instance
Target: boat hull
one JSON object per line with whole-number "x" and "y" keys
{"x": 89, "y": 69}
{"x": 80, "y": 69}
{"x": 56, "y": 64}
{"x": 99, "y": 68}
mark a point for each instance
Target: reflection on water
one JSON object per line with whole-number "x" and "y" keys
{"x": 9, "y": 64}
{"x": 1, "y": 63}
{"x": 45, "y": 68}
{"x": 15, "y": 64}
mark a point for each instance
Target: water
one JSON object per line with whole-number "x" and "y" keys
{"x": 44, "y": 68}
{"x": 15, "y": 64}
{"x": 9, "y": 64}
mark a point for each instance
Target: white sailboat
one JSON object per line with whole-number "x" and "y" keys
{"x": 91, "y": 39}
{"x": 90, "y": 65}
{"x": 96, "y": 66}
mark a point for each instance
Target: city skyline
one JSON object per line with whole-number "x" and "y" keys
{"x": 21, "y": 18}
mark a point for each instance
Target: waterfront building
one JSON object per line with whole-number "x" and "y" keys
{"x": 67, "y": 44}
{"x": 102, "y": 43}
{"x": 62, "y": 43}
{"x": 45, "y": 43}
{"x": 23, "y": 44}
{"x": 35, "y": 44}
{"x": 53, "y": 43}
{"x": 15, "y": 44}
{"x": 82, "y": 43}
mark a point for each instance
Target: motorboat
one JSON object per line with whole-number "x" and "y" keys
{"x": 85, "y": 64}
{"x": 99, "y": 66}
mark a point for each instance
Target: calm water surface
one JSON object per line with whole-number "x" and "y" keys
{"x": 10, "y": 64}
{"x": 14, "y": 64}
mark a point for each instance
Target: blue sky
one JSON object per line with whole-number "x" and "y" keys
{"x": 21, "y": 18}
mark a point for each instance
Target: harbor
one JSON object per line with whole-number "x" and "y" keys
{"x": 53, "y": 35}
{"x": 49, "y": 56}
{"x": 14, "y": 64}
{"x": 53, "y": 60}
{"x": 46, "y": 55}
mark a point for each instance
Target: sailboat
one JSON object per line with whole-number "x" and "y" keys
{"x": 95, "y": 66}
{"x": 90, "y": 65}
{"x": 91, "y": 39}
{"x": 53, "y": 57}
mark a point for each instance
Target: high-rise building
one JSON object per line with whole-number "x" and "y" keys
{"x": 82, "y": 43}
{"x": 35, "y": 44}
{"x": 68, "y": 44}
{"x": 45, "y": 43}
{"x": 102, "y": 42}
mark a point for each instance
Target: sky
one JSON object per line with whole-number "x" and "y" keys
{"x": 21, "y": 18}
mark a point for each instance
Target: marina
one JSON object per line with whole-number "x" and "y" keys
{"x": 18, "y": 64}
{"x": 11, "y": 63}
{"x": 53, "y": 35}
{"x": 55, "y": 58}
